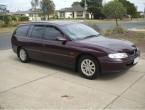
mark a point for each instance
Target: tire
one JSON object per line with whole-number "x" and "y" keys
{"x": 88, "y": 67}
{"x": 23, "y": 55}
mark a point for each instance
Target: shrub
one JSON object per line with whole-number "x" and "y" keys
{"x": 14, "y": 24}
{"x": 108, "y": 32}
{"x": 115, "y": 30}
{"x": 14, "y": 18}
{"x": 43, "y": 18}
{"x": 95, "y": 27}
{"x": 24, "y": 18}
{"x": 7, "y": 19}
{"x": 1, "y": 17}
{"x": 118, "y": 30}
{"x": 3, "y": 25}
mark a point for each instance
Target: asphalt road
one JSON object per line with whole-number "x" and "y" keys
{"x": 126, "y": 25}
{"x": 5, "y": 39}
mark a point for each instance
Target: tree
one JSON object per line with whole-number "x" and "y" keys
{"x": 48, "y": 8}
{"x": 75, "y": 4}
{"x": 114, "y": 9}
{"x": 130, "y": 8}
{"x": 34, "y": 4}
{"x": 94, "y": 7}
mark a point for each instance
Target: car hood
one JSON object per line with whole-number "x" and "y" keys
{"x": 116, "y": 45}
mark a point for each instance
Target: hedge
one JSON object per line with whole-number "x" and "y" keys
{"x": 24, "y": 18}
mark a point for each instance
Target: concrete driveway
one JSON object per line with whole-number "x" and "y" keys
{"x": 38, "y": 85}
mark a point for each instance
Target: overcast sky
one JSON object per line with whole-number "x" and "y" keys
{"x": 23, "y": 5}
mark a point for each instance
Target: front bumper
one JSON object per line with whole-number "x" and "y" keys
{"x": 118, "y": 65}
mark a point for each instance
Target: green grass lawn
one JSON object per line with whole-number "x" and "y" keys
{"x": 9, "y": 27}
{"x": 136, "y": 37}
{"x": 7, "y": 30}
{"x": 113, "y": 20}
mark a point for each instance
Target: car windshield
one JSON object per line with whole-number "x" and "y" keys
{"x": 79, "y": 31}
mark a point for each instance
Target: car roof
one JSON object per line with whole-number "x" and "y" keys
{"x": 51, "y": 22}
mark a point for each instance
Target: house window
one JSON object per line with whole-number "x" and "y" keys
{"x": 79, "y": 14}
{"x": 62, "y": 14}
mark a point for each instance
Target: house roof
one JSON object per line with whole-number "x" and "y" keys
{"x": 28, "y": 12}
{"x": 10, "y": 13}
{"x": 72, "y": 9}
{"x": 22, "y": 12}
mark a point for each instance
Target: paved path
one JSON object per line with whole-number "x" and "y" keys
{"x": 136, "y": 29}
{"x": 38, "y": 85}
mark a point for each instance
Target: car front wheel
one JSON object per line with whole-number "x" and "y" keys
{"x": 88, "y": 67}
{"x": 23, "y": 56}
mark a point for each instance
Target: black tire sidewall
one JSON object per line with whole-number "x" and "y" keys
{"x": 97, "y": 72}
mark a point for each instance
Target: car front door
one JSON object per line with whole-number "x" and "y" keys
{"x": 56, "y": 51}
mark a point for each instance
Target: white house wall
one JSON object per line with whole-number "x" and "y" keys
{"x": 35, "y": 17}
{"x": 83, "y": 14}
{"x": 75, "y": 14}
{"x": 68, "y": 15}
{"x": 89, "y": 16}
{"x": 27, "y": 15}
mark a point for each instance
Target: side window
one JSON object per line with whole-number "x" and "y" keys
{"x": 51, "y": 33}
{"x": 30, "y": 31}
{"x": 37, "y": 32}
{"x": 22, "y": 31}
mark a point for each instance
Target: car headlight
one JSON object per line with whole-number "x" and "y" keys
{"x": 118, "y": 55}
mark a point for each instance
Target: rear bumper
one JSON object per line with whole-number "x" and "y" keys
{"x": 14, "y": 48}
{"x": 117, "y": 66}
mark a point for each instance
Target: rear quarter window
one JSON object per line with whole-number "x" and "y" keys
{"x": 22, "y": 31}
{"x": 37, "y": 31}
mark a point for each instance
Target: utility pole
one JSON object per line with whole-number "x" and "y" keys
{"x": 85, "y": 9}
{"x": 144, "y": 10}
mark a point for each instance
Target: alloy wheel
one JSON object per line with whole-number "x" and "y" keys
{"x": 88, "y": 67}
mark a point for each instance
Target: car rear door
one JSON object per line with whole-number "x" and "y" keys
{"x": 35, "y": 46}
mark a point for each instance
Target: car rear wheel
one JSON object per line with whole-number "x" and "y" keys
{"x": 23, "y": 56}
{"x": 88, "y": 67}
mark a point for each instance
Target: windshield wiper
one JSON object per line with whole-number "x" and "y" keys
{"x": 92, "y": 36}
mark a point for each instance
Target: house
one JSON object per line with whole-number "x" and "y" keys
{"x": 33, "y": 15}
{"x": 3, "y": 8}
{"x": 73, "y": 12}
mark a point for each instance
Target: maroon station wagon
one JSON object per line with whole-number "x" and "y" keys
{"x": 73, "y": 45}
